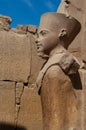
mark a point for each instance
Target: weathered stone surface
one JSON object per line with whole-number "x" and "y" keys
{"x": 30, "y": 114}
{"x": 82, "y": 114}
{"x": 75, "y": 9}
{"x": 15, "y": 30}
{"x": 19, "y": 88}
{"x": 79, "y": 94}
{"x": 19, "y": 62}
{"x": 32, "y": 29}
{"x": 22, "y": 28}
{"x": 19, "y": 91}
{"x": 83, "y": 44}
{"x": 6, "y": 19}
{"x": 15, "y": 56}
{"x": 7, "y": 102}
{"x": 5, "y": 22}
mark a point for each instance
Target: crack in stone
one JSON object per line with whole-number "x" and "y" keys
{"x": 19, "y": 89}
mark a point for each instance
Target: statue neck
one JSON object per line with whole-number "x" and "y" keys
{"x": 57, "y": 49}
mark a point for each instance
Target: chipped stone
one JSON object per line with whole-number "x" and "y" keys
{"x": 6, "y": 18}
{"x": 19, "y": 92}
{"x": 5, "y": 22}
{"x": 18, "y": 31}
{"x": 22, "y": 28}
{"x": 32, "y": 29}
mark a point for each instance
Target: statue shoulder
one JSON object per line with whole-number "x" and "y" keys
{"x": 55, "y": 74}
{"x": 54, "y": 71}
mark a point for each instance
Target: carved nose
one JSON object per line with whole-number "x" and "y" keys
{"x": 36, "y": 40}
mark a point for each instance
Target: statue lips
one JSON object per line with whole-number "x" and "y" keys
{"x": 39, "y": 47}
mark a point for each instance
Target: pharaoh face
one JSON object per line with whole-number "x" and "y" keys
{"x": 46, "y": 41}
{"x": 54, "y": 29}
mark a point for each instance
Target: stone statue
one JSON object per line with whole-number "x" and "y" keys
{"x": 59, "y": 102}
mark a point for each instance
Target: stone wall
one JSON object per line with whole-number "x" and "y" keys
{"x": 19, "y": 66}
{"x": 20, "y": 106}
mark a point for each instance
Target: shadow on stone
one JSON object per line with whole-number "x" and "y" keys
{"x": 76, "y": 81}
{"x": 6, "y": 126}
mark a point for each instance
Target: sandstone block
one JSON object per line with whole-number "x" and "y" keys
{"x": 32, "y": 29}
{"x": 5, "y": 22}
{"x": 22, "y": 28}
{"x": 15, "y": 56}
{"x": 30, "y": 114}
{"x": 15, "y": 30}
{"x": 7, "y": 102}
{"x": 6, "y": 19}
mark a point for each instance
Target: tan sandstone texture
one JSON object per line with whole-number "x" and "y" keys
{"x": 19, "y": 66}
{"x": 30, "y": 114}
{"x": 7, "y": 102}
{"x": 20, "y": 105}
{"x": 15, "y": 53}
{"x": 5, "y": 22}
{"x": 77, "y": 9}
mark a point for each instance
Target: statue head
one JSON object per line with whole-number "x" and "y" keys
{"x": 56, "y": 29}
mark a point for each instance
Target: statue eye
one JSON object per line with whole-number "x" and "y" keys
{"x": 43, "y": 33}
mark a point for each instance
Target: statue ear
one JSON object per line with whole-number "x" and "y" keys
{"x": 63, "y": 33}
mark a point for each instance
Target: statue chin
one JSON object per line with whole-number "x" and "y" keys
{"x": 42, "y": 55}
